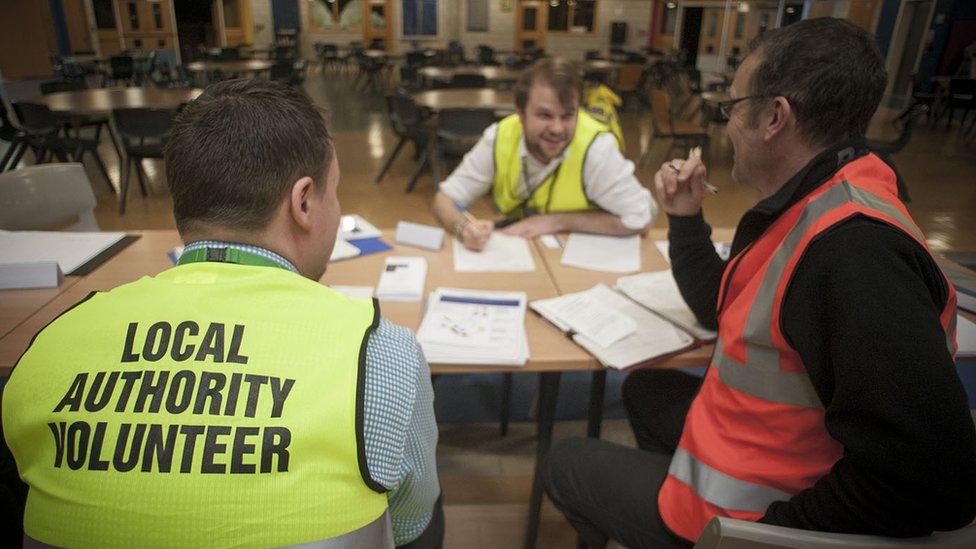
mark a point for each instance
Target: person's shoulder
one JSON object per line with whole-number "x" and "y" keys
{"x": 394, "y": 349}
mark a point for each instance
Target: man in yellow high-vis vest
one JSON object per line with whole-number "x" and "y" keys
{"x": 232, "y": 400}
{"x": 551, "y": 167}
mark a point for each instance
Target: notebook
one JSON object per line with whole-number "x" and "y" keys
{"x": 652, "y": 336}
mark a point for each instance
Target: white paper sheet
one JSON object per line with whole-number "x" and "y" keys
{"x": 70, "y": 249}
{"x": 355, "y": 227}
{"x": 659, "y": 292}
{"x": 723, "y": 249}
{"x": 965, "y": 337}
{"x": 474, "y": 327}
{"x": 343, "y": 250}
{"x": 615, "y": 254}
{"x": 402, "y": 279}
{"x": 586, "y": 316}
{"x": 502, "y": 253}
{"x": 654, "y": 336}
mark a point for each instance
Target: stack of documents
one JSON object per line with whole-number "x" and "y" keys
{"x": 723, "y": 249}
{"x": 501, "y": 253}
{"x": 965, "y": 337}
{"x": 659, "y": 292}
{"x": 474, "y": 327}
{"x": 614, "y": 329}
{"x": 615, "y": 254}
{"x": 355, "y": 227}
{"x": 402, "y": 279}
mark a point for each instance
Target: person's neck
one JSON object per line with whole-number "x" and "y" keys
{"x": 262, "y": 239}
{"x": 784, "y": 166}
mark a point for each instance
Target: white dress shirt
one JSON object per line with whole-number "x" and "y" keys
{"x": 608, "y": 178}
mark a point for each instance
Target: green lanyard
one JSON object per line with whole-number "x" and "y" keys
{"x": 226, "y": 255}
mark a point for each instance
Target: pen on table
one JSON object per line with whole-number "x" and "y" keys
{"x": 467, "y": 215}
{"x": 695, "y": 152}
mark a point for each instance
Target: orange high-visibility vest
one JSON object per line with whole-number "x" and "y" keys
{"x": 755, "y": 432}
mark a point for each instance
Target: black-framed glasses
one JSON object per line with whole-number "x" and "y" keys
{"x": 725, "y": 107}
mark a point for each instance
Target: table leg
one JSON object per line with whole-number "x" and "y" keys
{"x": 594, "y": 418}
{"x": 548, "y": 395}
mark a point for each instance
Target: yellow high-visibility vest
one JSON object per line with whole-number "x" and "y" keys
{"x": 215, "y": 404}
{"x": 562, "y": 191}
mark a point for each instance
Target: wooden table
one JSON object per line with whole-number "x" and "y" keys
{"x": 600, "y": 65}
{"x": 491, "y": 74}
{"x": 234, "y": 66}
{"x": 101, "y": 101}
{"x": 435, "y": 100}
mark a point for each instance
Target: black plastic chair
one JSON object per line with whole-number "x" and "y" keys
{"x": 593, "y": 55}
{"x": 42, "y": 128}
{"x": 121, "y": 69}
{"x": 143, "y": 134}
{"x": 79, "y": 122}
{"x": 455, "y": 52}
{"x": 229, "y": 54}
{"x": 408, "y": 123}
{"x": 409, "y": 78}
{"x": 486, "y": 55}
{"x": 328, "y": 54}
{"x": 416, "y": 59}
{"x": 464, "y": 80}
{"x": 13, "y": 135}
{"x": 457, "y": 131}
{"x": 962, "y": 95}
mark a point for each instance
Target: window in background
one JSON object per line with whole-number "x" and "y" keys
{"x": 420, "y": 17}
{"x": 713, "y": 24}
{"x": 104, "y": 14}
{"x": 157, "y": 11}
{"x": 764, "y": 20}
{"x": 740, "y": 24}
{"x": 232, "y": 19}
{"x": 670, "y": 18}
{"x": 477, "y": 16}
{"x": 133, "y": 16}
{"x": 377, "y": 17}
{"x": 529, "y": 19}
{"x": 340, "y": 15}
{"x": 572, "y": 15}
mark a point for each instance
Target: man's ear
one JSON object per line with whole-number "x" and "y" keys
{"x": 300, "y": 203}
{"x": 779, "y": 115}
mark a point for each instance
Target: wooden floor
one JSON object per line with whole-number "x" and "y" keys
{"x": 486, "y": 478}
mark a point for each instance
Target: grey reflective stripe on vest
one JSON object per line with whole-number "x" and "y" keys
{"x": 377, "y": 534}
{"x": 763, "y": 377}
{"x": 720, "y": 489}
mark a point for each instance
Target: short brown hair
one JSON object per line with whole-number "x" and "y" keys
{"x": 830, "y": 70}
{"x": 561, "y": 74}
{"x": 234, "y": 152}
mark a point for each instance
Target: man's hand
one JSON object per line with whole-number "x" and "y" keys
{"x": 680, "y": 186}
{"x": 531, "y": 227}
{"x": 474, "y": 236}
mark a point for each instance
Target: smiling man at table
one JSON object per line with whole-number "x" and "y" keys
{"x": 231, "y": 400}
{"x": 551, "y": 167}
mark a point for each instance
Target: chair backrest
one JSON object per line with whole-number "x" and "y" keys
{"x": 122, "y": 67}
{"x": 377, "y": 44}
{"x": 405, "y": 115}
{"x": 36, "y": 118}
{"x": 628, "y": 75}
{"x": 465, "y": 122}
{"x": 465, "y": 80}
{"x": 416, "y": 58}
{"x": 139, "y": 124}
{"x": 486, "y": 55}
{"x": 39, "y": 197}
{"x": 409, "y": 76}
{"x": 726, "y": 533}
{"x": 282, "y": 70}
{"x": 592, "y": 55}
{"x": 55, "y": 86}
{"x": 660, "y": 112}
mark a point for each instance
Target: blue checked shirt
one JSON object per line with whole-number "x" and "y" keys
{"x": 400, "y": 431}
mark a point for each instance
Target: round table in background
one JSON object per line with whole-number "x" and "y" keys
{"x": 101, "y": 101}
{"x": 435, "y": 100}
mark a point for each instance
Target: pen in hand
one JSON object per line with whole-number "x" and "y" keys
{"x": 467, "y": 215}
{"x": 695, "y": 152}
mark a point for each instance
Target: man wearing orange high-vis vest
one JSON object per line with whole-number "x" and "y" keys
{"x": 831, "y": 402}
{"x": 232, "y": 400}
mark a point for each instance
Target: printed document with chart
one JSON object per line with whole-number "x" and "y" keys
{"x": 474, "y": 327}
